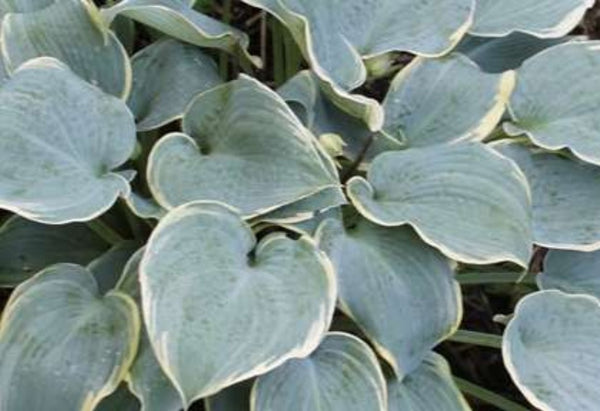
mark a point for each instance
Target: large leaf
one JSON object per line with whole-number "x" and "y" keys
{"x": 572, "y": 272}
{"x": 555, "y": 102}
{"x": 551, "y": 350}
{"x": 541, "y": 18}
{"x": 445, "y": 100}
{"x": 27, "y": 247}
{"x": 70, "y": 31}
{"x": 178, "y": 19}
{"x": 399, "y": 290}
{"x": 234, "y": 398}
{"x": 465, "y": 199}
{"x": 341, "y": 375}
{"x": 247, "y": 149}
{"x": 256, "y": 308}
{"x": 59, "y": 142}
{"x": 335, "y": 39}
{"x": 563, "y": 191}
{"x": 62, "y": 345}
{"x": 430, "y": 387}
{"x": 166, "y": 76}
{"x": 22, "y": 6}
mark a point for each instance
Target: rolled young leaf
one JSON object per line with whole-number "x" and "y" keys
{"x": 551, "y": 350}
{"x": 400, "y": 291}
{"x": 62, "y": 345}
{"x": 464, "y": 199}
{"x": 242, "y": 311}
{"x": 341, "y": 375}
{"x": 573, "y": 272}
{"x": 59, "y": 142}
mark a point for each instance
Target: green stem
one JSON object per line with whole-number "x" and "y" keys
{"x": 278, "y": 52}
{"x": 104, "y": 231}
{"x": 223, "y": 57}
{"x": 477, "y": 338}
{"x": 495, "y": 278}
{"x": 488, "y": 396}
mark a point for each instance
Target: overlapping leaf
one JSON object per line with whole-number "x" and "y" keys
{"x": 62, "y": 345}
{"x": 572, "y": 272}
{"x": 59, "y": 142}
{"x": 465, "y": 199}
{"x": 399, "y": 290}
{"x": 256, "y": 308}
{"x": 551, "y": 350}
{"x": 341, "y": 375}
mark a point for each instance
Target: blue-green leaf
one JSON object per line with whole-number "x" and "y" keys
{"x": 573, "y": 272}
{"x": 108, "y": 267}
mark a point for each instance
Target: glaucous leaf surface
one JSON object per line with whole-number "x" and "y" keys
{"x": 144, "y": 207}
{"x": 551, "y": 350}
{"x": 464, "y": 199}
{"x": 62, "y": 345}
{"x": 573, "y": 272}
{"x": 554, "y": 102}
{"x": 400, "y": 291}
{"x": 234, "y": 398}
{"x": 342, "y": 374}
{"x": 179, "y": 20}
{"x": 59, "y": 142}
{"x": 257, "y": 306}
{"x": 22, "y": 6}
{"x": 27, "y": 247}
{"x": 541, "y": 18}
{"x": 435, "y": 101}
{"x": 120, "y": 400}
{"x": 166, "y": 76}
{"x": 335, "y": 39}
{"x": 247, "y": 149}
{"x": 70, "y": 31}
{"x": 562, "y": 191}
{"x": 428, "y": 388}
{"x": 3, "y": 71}
{"x": 108, "y": 267}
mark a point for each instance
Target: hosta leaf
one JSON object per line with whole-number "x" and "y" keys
{"x": 562, "y": 192}
{"x": 399, "y": 290}
{"x": 22, "y": 6}
{"x": 69, "y": 31}
{"x": 120, "y": 400}
{"x": 3, "y": 72}
{"x": 234, "y": 398}
{"x": 551, "y": 350}
{"x": 177, "y": 19}
{"x": 465, "y": 199}
{"x": 342, "y": 374}
{"x": 247, "y": 150}
{"x": 445, "y": 100}
{"x": 144, "y": 207}
{"x": 59, "y": 142}
{"x": 555, "y": 103}
{"x": 231, "y": 328}
{"x": 108, "y": 267}
{"x": 541, "y": 18}
{"x": 62, "y": 345}
{"x": 27, "y": 247}
{"x": 572, "y": 272}
{"x": 335, "y": 39}
{"x": 430, "y": 387}
{"x": 166, "y": 76}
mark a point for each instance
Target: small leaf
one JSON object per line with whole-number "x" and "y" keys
{"x": 554, "y": 102}
{"x": 551, "y": 350}
{"x": 234, "y": 398}
{"x": 430, "y": 387}
{"x": 230, "y": 328}
{"x": 573, "y": 272}
{"x": 59, "y": 141}
{"x": 341, "y": 375}
{"x": 400, "y": 291}
{"x": 143, "y": 207}
{"x": 465, "y": 199}
{"x": 166, "y": 76}
{"x": 62, "y": 345}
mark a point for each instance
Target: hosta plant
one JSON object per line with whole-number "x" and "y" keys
{"x": 277, "y": 205}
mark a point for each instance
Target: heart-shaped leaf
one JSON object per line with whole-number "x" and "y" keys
{"x": 238, "y": 315}
{"x": 429, "y": 387}
{"x": 70, "y": 31}
{"x": 554, "y": 102}
{"x": 341, "y": 375}
{"x": 465, "y": 199}
{"x": 572, "y": 272}
{"x": 399, "y": 290}
{"x": 59, "y": 142}
{"x": 166, "y": 76}
{"x": 541, "y": 18}
{"x": 247, "y": 150}
{"x": 445, "y": 100}
{"x": 62, "y": 345}
{"x": 551, "y": 350}
{"x": 562, "y": 191}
